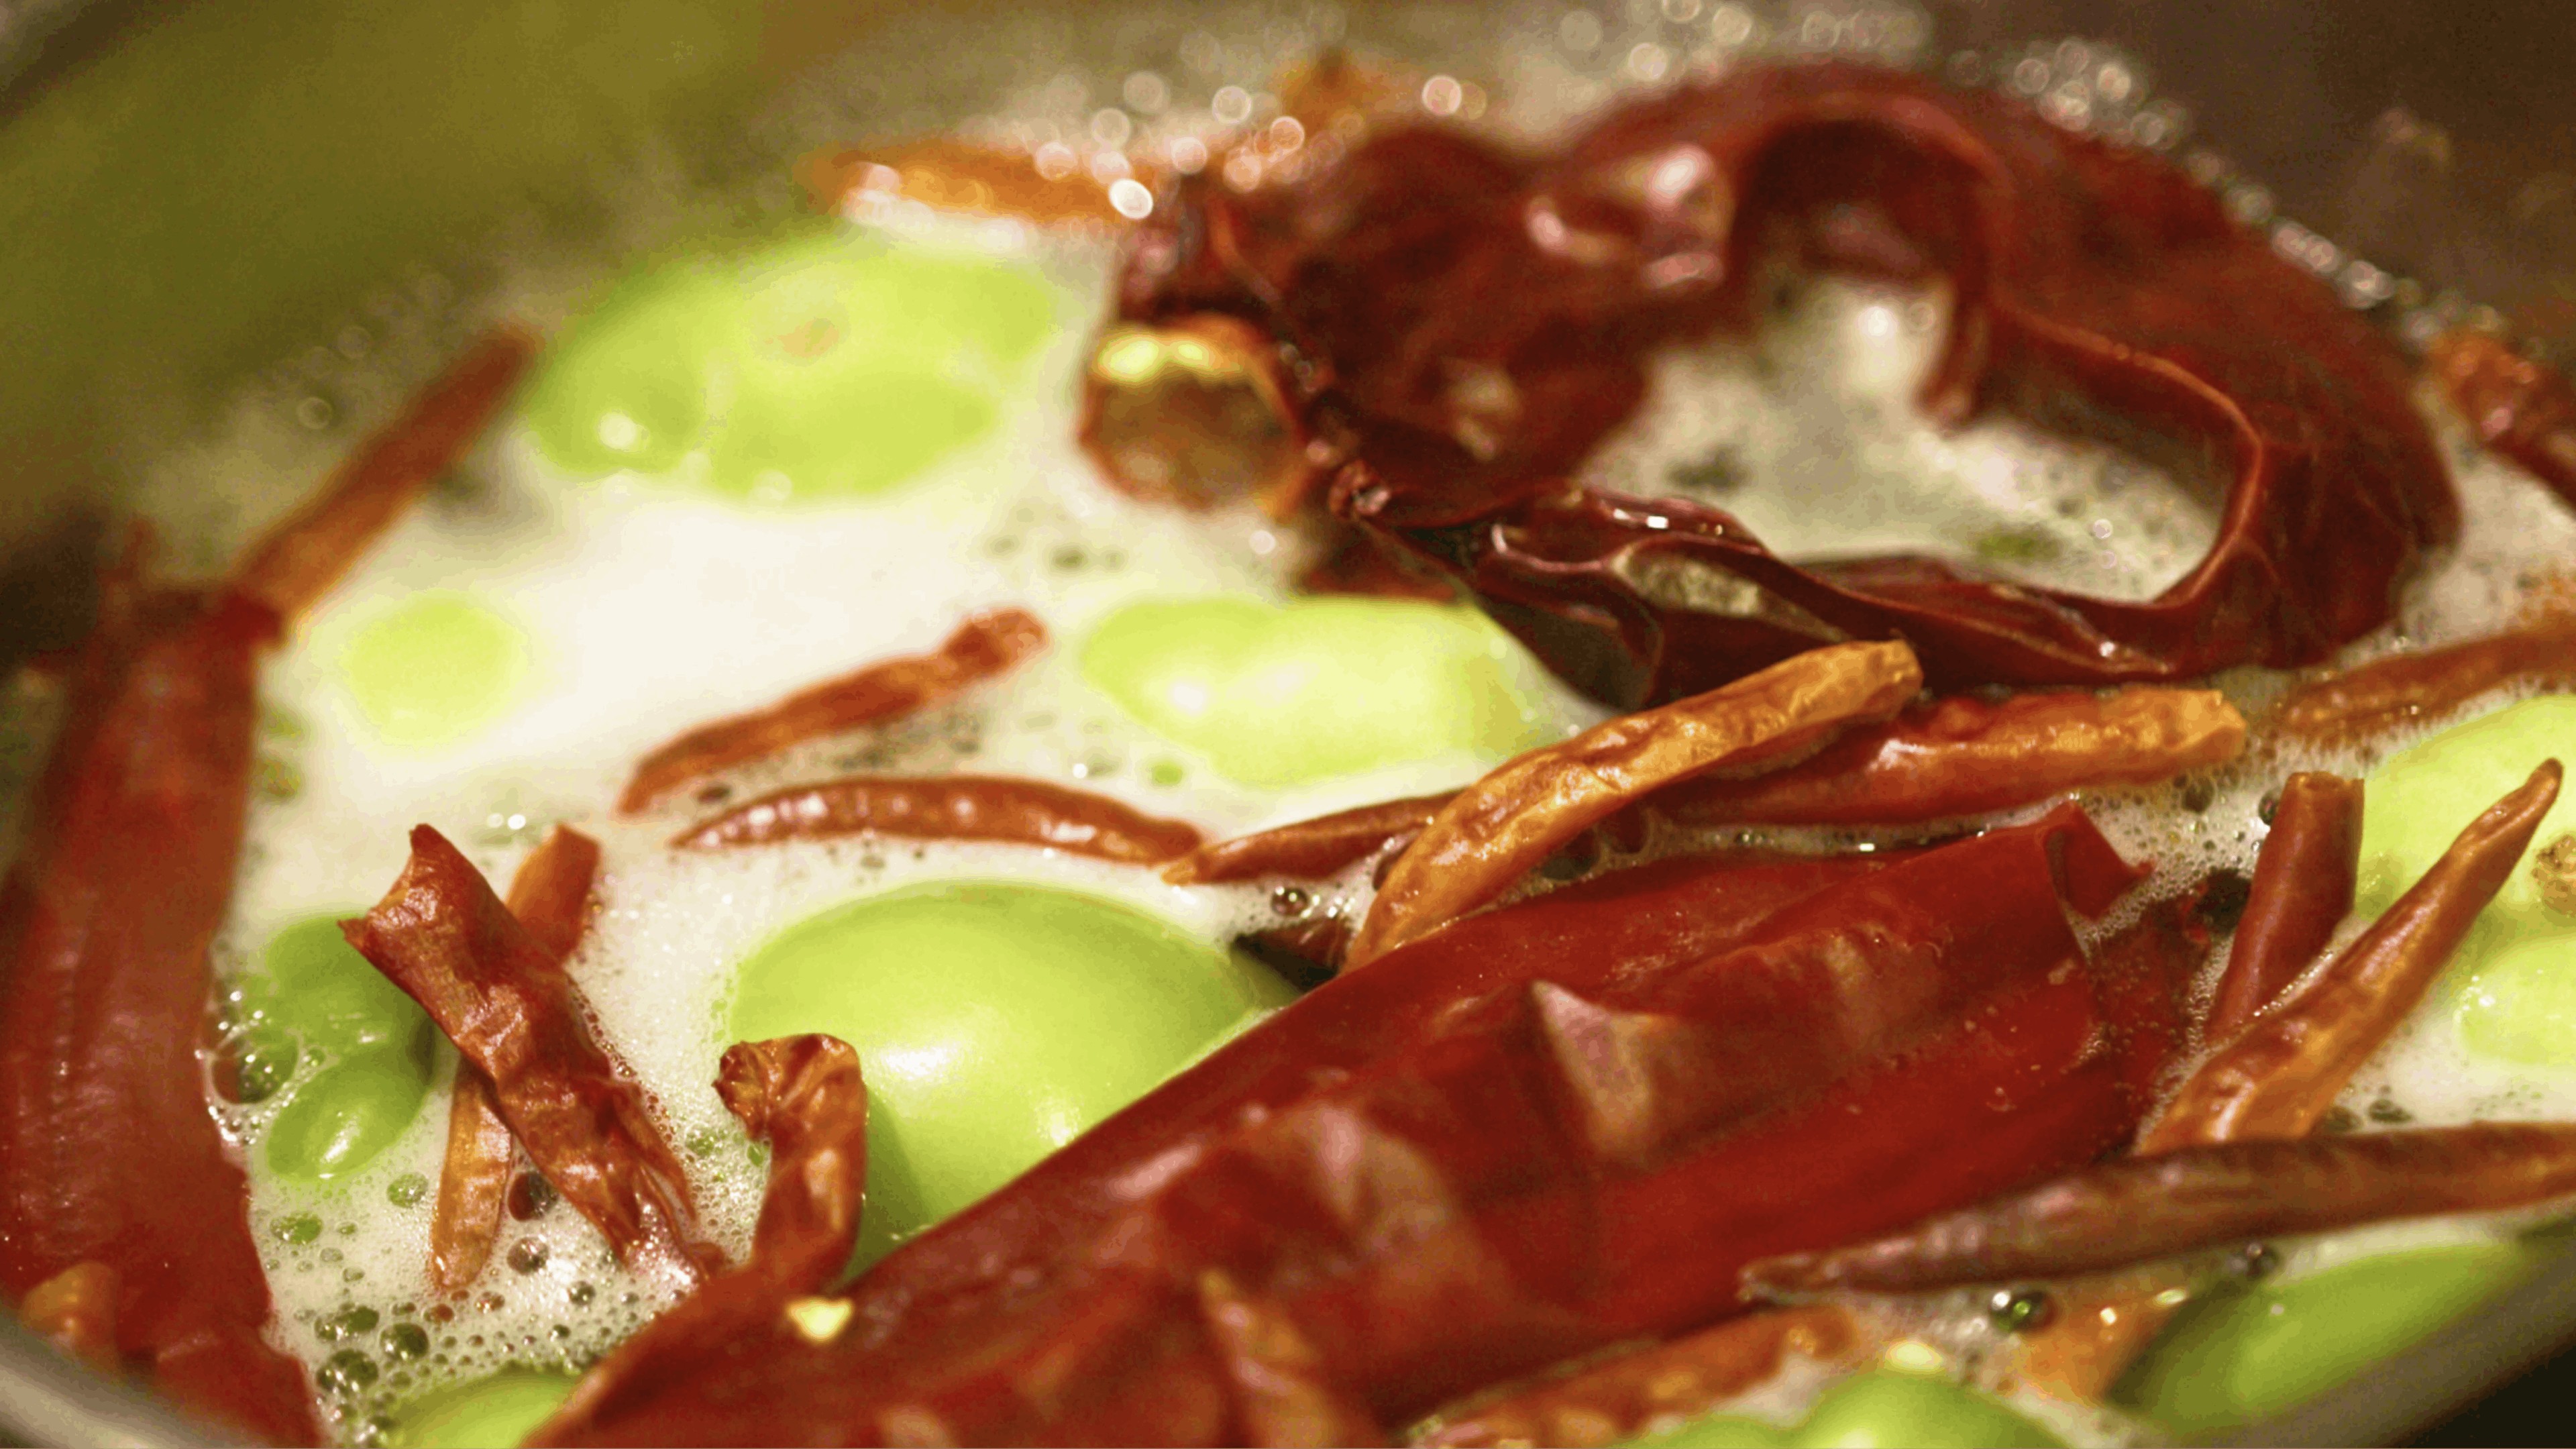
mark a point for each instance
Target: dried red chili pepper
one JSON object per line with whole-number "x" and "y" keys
{"x": 2516, "y": 406}
{"x": 2279, "y": 1077}
{"x": 1468, "y": 323}
{"x": 2137, "y": 1208}
{"x": 1632, "y": 1394}
{"x": 501, "y": 995}
{"x": 1547, "y": 1129}
{"x": 550, "y": 896}
{"x": 1970, "y": 756}
{"x": 987, "y": 644}
{"x": 299, "y": 560}
{"x": 949, "y": 807}
{"x": 2303, "y": 884}
{"x": 803, "y": 1096}
{"x": 108, "y": 1154}
{"x": 2405, "y": 689}
{"x": 1309, "y": 849}
{"x": 1492, "y": 832}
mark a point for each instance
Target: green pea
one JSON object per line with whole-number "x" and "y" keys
{"x": 2509, "y": 986}
{"x": 343, "y": 1115}
{"x": 825, "y": 366}
{"x": 485, "y": 1413}
{"x": 318, "y": 986}
{"x": 436, "y": 670}
{"x": 994, "y": 1024}
{"x": 1888, "y": 1407}
{"x": 1283, "y": 695}
{"x": 2245, "y": 1355}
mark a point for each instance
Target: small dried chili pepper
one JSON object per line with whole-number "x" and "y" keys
{"x": 2401, "y": 690}
{"x": 550, "y": 896}
{"x": 1470, "y": 323}
{"x": 2303, "y": 884}
{"x": 2516, "y": 406}
{"x": 109, "y": 1158}
{"x": 1196, "y": 413}
{"x": 502, "y": 997}
{"x": 299, "y": 560}
{"x": 804, "y": 1097}
{"x": 1545, "y": 1130}
{"x": 2136, "y": 1208}
{"x": 1493, "y": 831}
{"x": 2279, "y": 1077}
{"x": 950, "y": 807}
{"x": 987, "y": 644}
{"x": 1630, "y": 1395}
{"x": 1309, "y": 849}
{"x": 1969, "y": 756}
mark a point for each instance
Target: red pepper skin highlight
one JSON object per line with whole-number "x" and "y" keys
{"x": 1510, "y": 1142}
{"x": 108, "y": 1152}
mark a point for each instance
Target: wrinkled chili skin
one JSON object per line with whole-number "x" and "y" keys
{"x": 2303, "y": 885}
{"x": 2202, "y": 1196}
{"x": 1440, "y": 1171}
{"x": 949, "y": 807}
{"x": 501, "y": 995}
{"x": 2083, "y": 272}
{"x": 803, "y": 1096}
{"x": 108, "y": 1153}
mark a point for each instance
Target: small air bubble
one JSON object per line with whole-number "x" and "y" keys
{"x": 1231, "y": 105}
{"x": 315, "y": 412}
{"x": 299, "y": 1229}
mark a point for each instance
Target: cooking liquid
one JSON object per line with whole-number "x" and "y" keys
{"x": 644, "y": 607}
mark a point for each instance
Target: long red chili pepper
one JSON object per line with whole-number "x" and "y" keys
{"x": 2137, "y": 1208}
{"x": 2303, "y": 884}
{"x": 1503, "y": 1145}
{"x": 948, "y": 807}
{"x": 502, "y": 997}
{"x": 303, "y": 556}
{"x": 2408, "y": 689}
{"x": 108, "y": 1154}
{"x": 987, "y": 644}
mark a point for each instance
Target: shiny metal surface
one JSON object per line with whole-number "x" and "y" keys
{"x": 2438, "y": 141}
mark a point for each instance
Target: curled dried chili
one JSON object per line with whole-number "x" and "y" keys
{"x": 2137, "y": 1208}
{"x": 1467, "y": 323}
{"x": 949, "y": 807}
{"x": 1547, "y": 1129}
{"x": 1495, "y": 830}
{"x": 987, "y": 644}
{"x": 803, "y": 1096}
{"x": 501, "y": 995}
{"x": 550, "y": 896}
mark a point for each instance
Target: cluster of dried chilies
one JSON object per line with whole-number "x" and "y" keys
{"x": 1648, "y": 1106}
